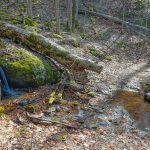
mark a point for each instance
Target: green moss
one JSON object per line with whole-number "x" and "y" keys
{"x": 16, "y": 21}
{"x": 57, "y": 36}
{"x": 91, "y": 94}
{"x": 100, "y": 54}
{"x": 48, "y": 69}
{"x": 2, "y": 44}
{"x": 50, "y": 25}
{"x": 75, "y": 43}
{"x": 83, "y": 35}
{"x": 2, "y": 111}
{"x": 24, "y": 69}
{"x": 29, "y": 22}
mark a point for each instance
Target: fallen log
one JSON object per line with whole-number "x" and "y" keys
{"x": 44, "y": 45}
{"x": 115, "y": 19}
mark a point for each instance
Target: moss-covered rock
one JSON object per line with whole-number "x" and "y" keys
{"x": 23, "y": 68}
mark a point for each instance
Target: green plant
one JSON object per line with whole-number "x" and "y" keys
{"x": 100, "y": 54}
{"x": 57, "y": 36}
{"x": 55, "y": 97}
{"x": 93, "y": 21}
{"x": 83, "y": 35}
{"x": 2, "y": 110}
{"x": 29, "y": 22}
{"x": 91, "y": 94}
{"x": 50, "y": 25}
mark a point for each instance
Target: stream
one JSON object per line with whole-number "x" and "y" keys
{"x": 137, "y": 107}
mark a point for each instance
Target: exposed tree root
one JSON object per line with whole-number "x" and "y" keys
{"x": 40, "y": 120}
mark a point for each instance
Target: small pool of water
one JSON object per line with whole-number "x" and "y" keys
{"x": 20, "y": 97}
{"x": 137, "y": 107}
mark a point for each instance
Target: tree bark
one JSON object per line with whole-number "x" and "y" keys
{"x": 44, "y": 45}
{"x": 77, "y": 9}
{"x": 57, "y": 14}
{"x": 69, "y": 9}
{"x": 29, "y": 8}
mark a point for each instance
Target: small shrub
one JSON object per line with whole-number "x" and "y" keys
{"x": 29, "y": 22}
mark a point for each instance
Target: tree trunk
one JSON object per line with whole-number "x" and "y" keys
{"x": 77, "y": 9}
{"x": 41, "y": 44}
{"x": 57, "y": 14}
{"x": 29, "y": 8}
{"x": 69, "y": 15}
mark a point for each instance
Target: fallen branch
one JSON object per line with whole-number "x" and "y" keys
{"x": 39, "y": 120}
{"x": 48, "y": 47}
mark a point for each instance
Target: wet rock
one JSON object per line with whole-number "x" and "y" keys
{"x": 147, "y": 97}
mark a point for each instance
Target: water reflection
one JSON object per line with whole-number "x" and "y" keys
{"x": 138, "y": 108}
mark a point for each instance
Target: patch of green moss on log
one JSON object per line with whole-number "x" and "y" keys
{"x": 2, "y": 44}
{"x": 24, "y": 69}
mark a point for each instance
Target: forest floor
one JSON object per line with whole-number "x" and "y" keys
{"x": 100, "y": 124}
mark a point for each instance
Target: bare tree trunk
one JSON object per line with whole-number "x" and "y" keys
{"x": 73, "y": 15}
{"x": 57, "y": 15}
{"x": 77, "y": 9}
{"x": 29, "y": 8}
{"x": 70, "y": 15}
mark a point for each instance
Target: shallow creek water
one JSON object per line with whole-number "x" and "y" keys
{"x": 133, "y": 102}
{"x": 138, "y": 109}
{"x": 22, "y": 96}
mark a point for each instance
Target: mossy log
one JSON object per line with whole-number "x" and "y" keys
{"x": 44, "y": 45}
